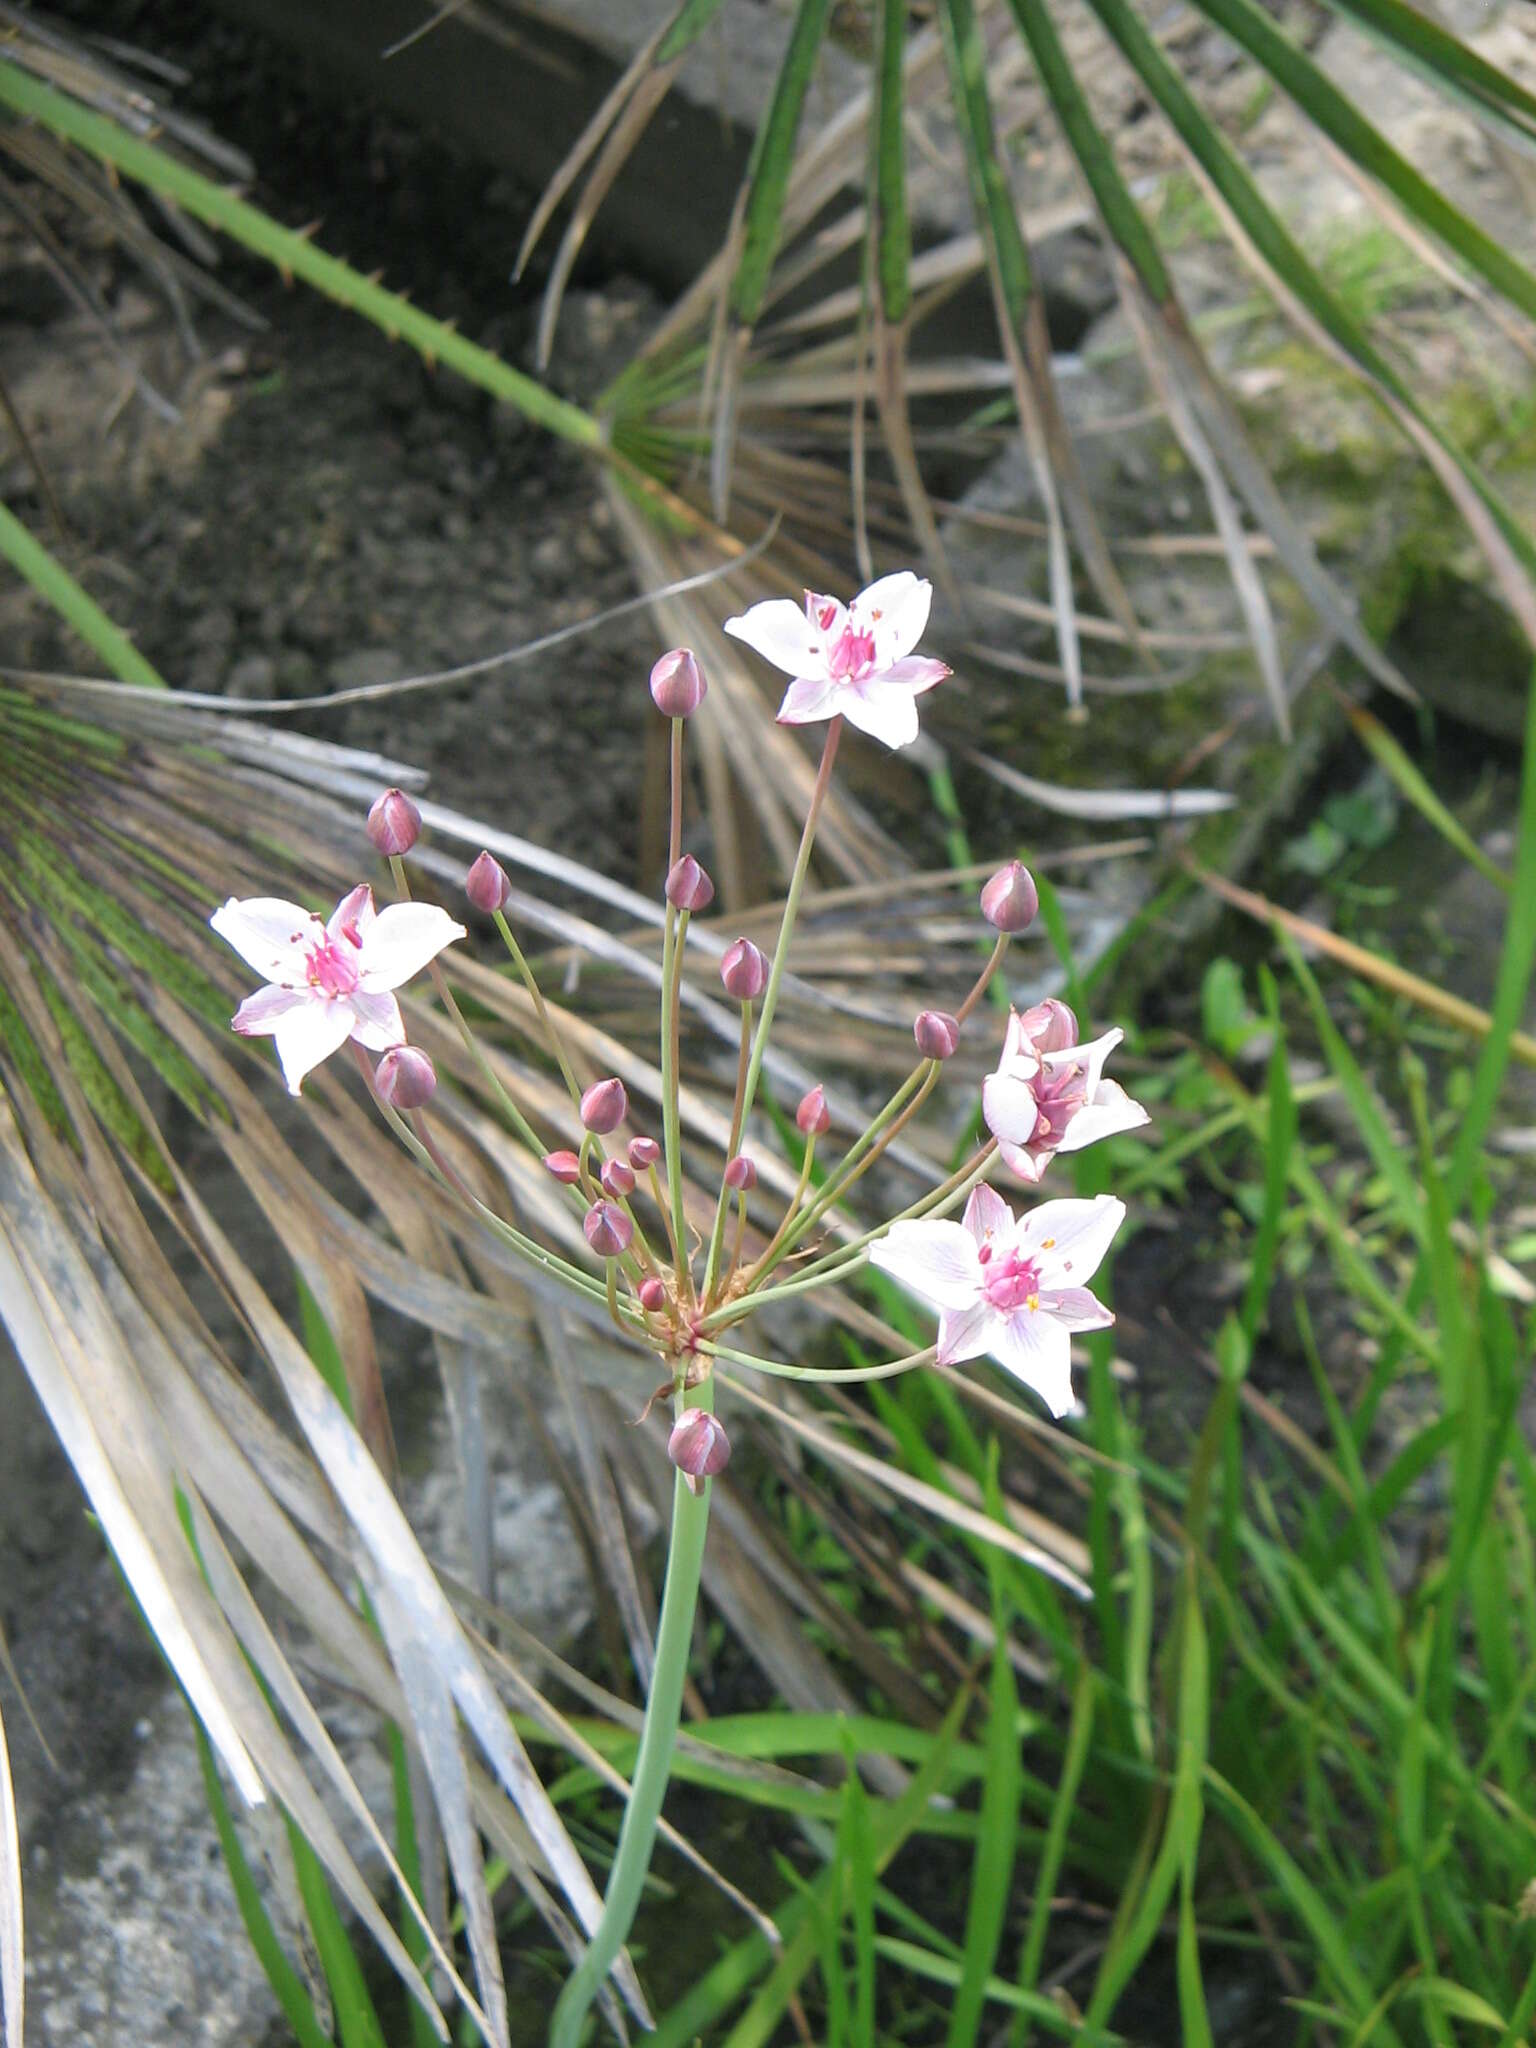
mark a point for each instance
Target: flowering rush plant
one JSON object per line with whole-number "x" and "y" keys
{"x": 1012, "y": 1288}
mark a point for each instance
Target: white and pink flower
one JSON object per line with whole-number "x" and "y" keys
{"x": 1050, "y": 1094}
{"x": 1013, "y": 1291}
{"x": 326, "y": 983}
{"x": 850, "y": 661}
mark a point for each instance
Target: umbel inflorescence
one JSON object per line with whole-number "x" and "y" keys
{"x": 1014, "y": 1289}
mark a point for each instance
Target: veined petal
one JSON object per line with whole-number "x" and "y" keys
{"x": 828, "y": 616}
{"x": 1009, "y": 1108}
{"x": 400, "y": 942}
{"x": 807, "y": 699}
{"x": 259, "y": 1013}
{"x": 352, "y": 915}
{"x": 1068, "y": 1239}
{"x": 987, "y": 1216}
{"x": 1090, "y": 1058}
{"x": 935, "y": 1260}
{"x": 916, "y": 672}
{"x": 270, "y": 935}
{"x": 1027, "y": 1161}
{"x": 1076, "y": 1308}
{"x": 307, "y": 1036}
{"x": 1110, "y": 1110}
{"x": 377, "y": 1022}
{"x": 895, "y": 610}
{"x": 1036, "y": 1349}
{"x": 886, "y": 711}
{"x": 967, "y": 1332}
{"x": 778, "y": 630}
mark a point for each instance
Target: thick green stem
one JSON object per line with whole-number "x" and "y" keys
{"x": 791, "y": 910}
{"x": 685, "y": 1559}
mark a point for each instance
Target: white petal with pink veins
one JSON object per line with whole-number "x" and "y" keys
{"x": 967, "y": 1332}
{"x": 1090, "y": 1058}
{"x": 807, "y": 699}
{"x": 352, "y": 915}
{"x": 936, "y": 1260}
{"x": 987, "y": 1216}
{"x": 1068, "y": 1239}
{"x": 916, "y": 672}
{"x": 778, "y": 630}
{"x": 1110, "y": 1111}
{"x": 886, "y": 711}
{"x": 270, "y": 935}
{"x": 258, "y": 1014}
{"x": 1038, "y": 1351}
{"x": 895, "y": 610}
{"x": 378, "y": 1023}
{"x": 1076, "y": 1308}
{"x": 309, "y": 1035}
{"x": 401, "y": 941}
{"x": 1008, "y": 1104}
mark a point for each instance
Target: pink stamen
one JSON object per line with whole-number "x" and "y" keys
{"x": 1013, "y": 1283}
{"x": 332, "y": 968}
{"x": 852, "y": 655}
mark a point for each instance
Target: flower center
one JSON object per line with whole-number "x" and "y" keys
{"x": 332, "y": 967}
{"x": 852, "y": 655}
{"x": 1011, "y": 1282}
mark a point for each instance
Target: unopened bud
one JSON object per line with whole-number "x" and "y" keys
{"x": 604, "y": 1105}
{"x": 744, "y": 971}
{"x": 653, "y": 1294}
{"x": 688, "y": 887}
{"x": 1049, "y": 1026}
{"x": 618, "y": 1178}
{"x": 643, "y": 1154}
{"x": 699, "y": 1446}
{"x": 405, "y": 1077}
{"x": 394, "y": 823}
{"x": 608, "y": 1229}
{"x": 1010, "y": 902}
{"x": 937, "y": 1033}
{"x": 677, "y": 684}
{"x": 565, "y": 1166}
{"x": 486, "y": 884}
{"x": 740, "y": 1174}
{"x": 813, "y": 1114}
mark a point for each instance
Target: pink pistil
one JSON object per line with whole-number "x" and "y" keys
{"x": 853, "y": 655}
{"x": 332, "y": 967}
{"x": 1012, "y": 1283}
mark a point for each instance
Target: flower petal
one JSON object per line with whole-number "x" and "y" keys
{"x": 886, "y": 711}
{"x": 807, "y": 699}
{"x": 377, "y": 1022}
{"x": 987, "y": 1215}
{"x": 270, "y": 935}
{"x": 1067, "y": 1239}
{"x": 1076, "y": 1308}
{"x": 1090, "y": 1058}
{"x": 306, "y": 1037}
{"x": 828, "y": 616}
{"x": 1009, "y": 1107}
{"x": 352, "y": 915}
{"x": 895, "y": 610}
{"x": 400, "y": 942}
{"x": 258, "y": 1014}
{"x": 1036, "y": 1349}
{"x": 916, "y": 672}
{"x": 1027, "y": 1161}
{"x": 1111, "y": 1110}
{"x": 967, "y": 1332}
{"x": 935, "y": 1260}
{"x": 779, "y": 631}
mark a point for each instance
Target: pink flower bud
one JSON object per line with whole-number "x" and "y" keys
{"x": 565, "y": 1166}
{"x": 1049, "y": 1026}
{"x": 618, "y": 1179}
{"x": 688, "y": 887}
{"x": 486, "y": 884}
{"x": 653, "y": 1294}
{"x": 394, "y": 823}
{"x": 699, "y": 1446}
{"x": 1010, "y": 902}
{"x": 405, "y": 1077}
{"x": 937, "y": 1033}
{"x": 677, "y": 685}
{"x": 643, "y": 1154}
{"x": 813, "y": 1114}
{"x": 740, "y": 1174}
{"x": 604, "y": 1106}
{"x": 744, "y": 971}
{"x": 608, "y": 1229}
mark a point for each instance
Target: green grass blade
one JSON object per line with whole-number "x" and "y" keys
{"x": 357, "y": 2021}
{"x": 688, "y": 24}
{"x": 1074, "y": 1758}
{"x": 773, "y": 159}
{"x": 1405, "y": 772}
{"x": 1278, "y": 1141}
{"x": 893, "y": 233}
{"x": 1419, "y": 40}
{"x": 51, "y": 580}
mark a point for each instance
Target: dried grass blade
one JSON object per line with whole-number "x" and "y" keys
{"x": 13, "y": 1986}
{"x": 1105, "y": 804}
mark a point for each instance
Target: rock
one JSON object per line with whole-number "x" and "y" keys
{"x": 253, "y": 676}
